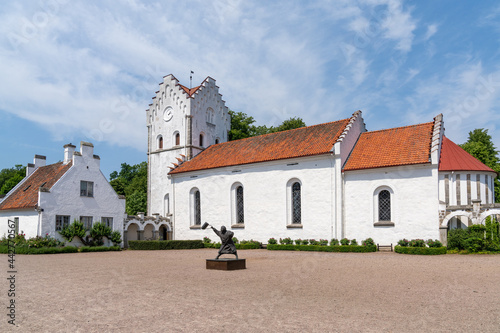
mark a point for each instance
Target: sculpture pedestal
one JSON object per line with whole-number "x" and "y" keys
{"x": 226, "y": 264}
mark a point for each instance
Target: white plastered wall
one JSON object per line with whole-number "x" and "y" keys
{"x": 414, "y": 205}
{"x": 28, "y": 222}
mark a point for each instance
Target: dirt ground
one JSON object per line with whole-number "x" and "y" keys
{"x": 171, "y": 291}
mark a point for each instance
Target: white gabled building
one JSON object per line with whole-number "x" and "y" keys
{"x": 330, "y": 180}
{"x": 52, "y": 196}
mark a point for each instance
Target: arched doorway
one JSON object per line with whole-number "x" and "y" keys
{"x": 149, "y": 232}
{"x": 165, "y": 233}
{"x": 132, "y": 233}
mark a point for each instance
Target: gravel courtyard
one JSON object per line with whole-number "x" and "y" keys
{"x": 171, "y": 291}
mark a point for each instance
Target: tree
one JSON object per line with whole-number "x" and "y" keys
{"x": 480, "y": 145}
{"x": 9, "y": 178}
{"x": 132, "y": 181}
{"x": 242, "y": 126}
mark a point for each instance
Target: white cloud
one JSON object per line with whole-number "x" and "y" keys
{"x": 431, "y": 30}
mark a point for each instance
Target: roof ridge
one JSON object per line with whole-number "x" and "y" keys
{"x": 393, "y": 128}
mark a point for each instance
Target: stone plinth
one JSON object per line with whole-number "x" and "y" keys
{"x": 226, "y": 264}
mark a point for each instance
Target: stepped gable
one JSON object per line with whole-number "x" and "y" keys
{"x": 454, "y": 158}
{"x": 26, "y": 195}
{"x": 300, "y": 142}
{"x": 392, "y": 147}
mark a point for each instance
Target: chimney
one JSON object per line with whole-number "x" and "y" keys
{"x": 87, "y": 149}
{"x": 38, "y": 161}
{"x": 69, "y": 149}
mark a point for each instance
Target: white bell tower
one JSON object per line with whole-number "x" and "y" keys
{"x": 181, "y": 123}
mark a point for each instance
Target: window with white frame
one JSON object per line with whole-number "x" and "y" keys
{"x": 62, "y": 221}
{"x": 107, "y": 221}
{"x": 383, "y": 206}
{"x": 87, "y": 222}
{"x": 195, "y": 199}
{"x": 237, "y": 204}
{"x": 294, "y": 203}
{"x": 86, "y": 189}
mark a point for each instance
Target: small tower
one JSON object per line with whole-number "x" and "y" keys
{"x": 181, "y": 123}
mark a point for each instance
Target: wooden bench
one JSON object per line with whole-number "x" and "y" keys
{"x": 384, "y": 247}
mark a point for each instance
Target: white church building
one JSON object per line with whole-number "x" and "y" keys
{"x": 331, "y": 180}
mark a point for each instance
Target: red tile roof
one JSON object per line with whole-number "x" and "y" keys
{"x": 188, "y": 91}
{"x": 304, "y": 141}
{"x": 454, "y": 158}
{"x": 26, "y": 196}
{"x": 392, "y": 147}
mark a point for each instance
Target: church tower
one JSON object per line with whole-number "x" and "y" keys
{"x": 181, "y": 123}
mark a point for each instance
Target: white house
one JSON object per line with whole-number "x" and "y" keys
{"x": 330, "y": 180}
{"x": 53, "y": 196}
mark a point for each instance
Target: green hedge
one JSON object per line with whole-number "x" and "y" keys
{"x": 165, "y": 245}
{"x": 319, "y": 248}
{"x": 420, "y": 250}
{"x": 40, "y": 250}
{"x": 99, "y": 248}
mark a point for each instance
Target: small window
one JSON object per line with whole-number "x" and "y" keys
{"x": 62, "y": 221}
{"x": 217, "y": 141}
{"x": 201, "y": 140}
{"x": 177, "y": 139}
{"x": 384, "y": 206}
{"x": 240, "y": 211}
{"x": 86, "y": 189}
{"x": 160, "y": 142}
{"x": 108, "y": 221}
{"x": 197, "y": 208}
{"x": 296, "y": 204}
{"x": 87, "y": 222}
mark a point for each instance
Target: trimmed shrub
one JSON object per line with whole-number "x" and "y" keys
{"x": 75, "y": 229}
{"x": 319, "y": 248}
{"x": 404, "y": 242}
{"x": 235, "y": 240}
{"x": 344, "y": 241}
{"x": 98, "y": 232}
{"x": 207, "y": 240}
{"x": 313, "y": 242}
{"x": 41, "y": 250}
{"x": 286, "y": 241}
{"x": 305, "y": 241}
{"x": 323, "y": 242}
{"x": 354, "y": 242}
{"x": 116, "y": 237}
{"x": 457, "y": 238}
{"x": 420, "y": 250}
{"x": 166, "y": 244}
{"x": 334, "y": 242}
{"x": 417, "y": 243}
{"x": 434, "y": 243}
{"x": 248, "y": 246}
{"x": 298, "y": 241}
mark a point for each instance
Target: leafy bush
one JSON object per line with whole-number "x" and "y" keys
{"x": 41, "y": 250}
{"x": 116, "y": 237}
{"x": 319, "y": 248}
{"x": 334, "y": 242}
{"x": 344, "y": 241}
{"x": 286, "y": 241}
{"x": 207, "y": 240}
{"x": 420, "y": 250}
{"x": 368, "y": 242}
{"x": 75, "y": 229}
{"x": 434, "y": 243}
{"x": 474, "y": 239}
{"x": 404, "y": 242}
{"x": 47, "y": 241}
{"x": 167, "y": 244}
{"x": 417, "y": 243}
{"x": 298, "y": 241}
{"x": 305, "y": 241}
{"x": 272, "y": 241}
{"x": 354, "y": 242}
{"x": 235, "y": 240}
{"x": 251, "y": 244}
{"x": 457, "y": 238}
{"x": 313, "y": 242}
{"x": 323, "y": 242}
{"x": 98, "y": 232}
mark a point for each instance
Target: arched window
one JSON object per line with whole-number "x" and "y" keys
{"x": 217, "y": 141}
{"x": 296, "y": 203}
{"x": 201, "y": 140}
{"x": 384, "y": 205}
{"x": 177, "y": 139}
{"x": 195, "y": 206}
{"x": 240, "y": 213}
{"x": 160, "y": 142}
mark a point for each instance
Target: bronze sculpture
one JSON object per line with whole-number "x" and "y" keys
{"x": 226, "y": 241}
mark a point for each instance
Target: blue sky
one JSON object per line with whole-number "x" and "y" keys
{"x": 87, "y": 70}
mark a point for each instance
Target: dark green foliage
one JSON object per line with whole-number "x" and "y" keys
{"x": 11, "y": 177}
{"x": 434, "y": 243}
{"x": 242, "y": 126}
{"x": 305, "y": 241}
{"x": 272, "y": 241}
{"x": 404, "y": 242}
{"x": 235, "y": 240}
{"x": 132, "y": 181}
{"x": 99, "y": 248}
{"x": 334, "y": 241}
{"x": 368, "y": 242}
{"x": 286, "y": 240}
{"x": 354, "y": 242}
{"x": 476, "y": 238}
{"x": 166, "y": 244}
{"x": 75, "y": 229}
{"x": 116, "y": 237}
{"x": 420, "y": 250}
{"x": 41, "y": 250}
{"x": 319, "y": 248}
{"x": 344, "y": 241}
{"x": 248, "y": 246}
{"x": 457, "y": 238}
{"x": 98, "y": 232}
{"x": 417, "y": 243}
{"x": 313, "y": 242}
{"x": 480, "y": 145}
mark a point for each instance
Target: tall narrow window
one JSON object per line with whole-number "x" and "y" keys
{"x": 469, "y": 196}
{"x": 486, "y": 189}
{"x": 160, "y": 142}
{"x": 478, "y": 187}
{"x": 197, "y": 208}
{"x": 384, "y": 206}
{"x": 177, "y": 139}
{"x": 459, "y": 194}
{"x": 201, "y": 140}
{"x": 447, "y": 189}
{"x": 240, "y": 214}
{"x": 296, "y": 204}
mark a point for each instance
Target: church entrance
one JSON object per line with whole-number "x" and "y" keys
{"x": 164, "y": 233}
